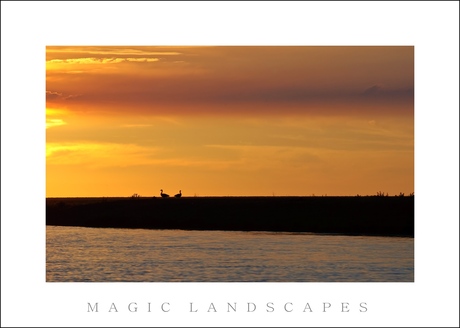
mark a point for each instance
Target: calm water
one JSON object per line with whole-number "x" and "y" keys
{"x": 108, "y": 255}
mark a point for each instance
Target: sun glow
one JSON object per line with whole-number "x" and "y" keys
{"x": 230, "y": 120}
{"x": 54, "y": 122}
{"x": 53, "y": 117}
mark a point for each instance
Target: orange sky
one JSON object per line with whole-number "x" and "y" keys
{"x": 229, "y": 121}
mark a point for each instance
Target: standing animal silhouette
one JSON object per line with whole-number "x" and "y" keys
{"x": 163, "y": 194}
{"x": 179, "y": 195}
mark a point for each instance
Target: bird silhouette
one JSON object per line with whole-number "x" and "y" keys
{"x": 163, "y": 194}
{"x": 179, "y": 194}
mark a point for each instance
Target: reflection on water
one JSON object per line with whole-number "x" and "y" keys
{"x": 109, "y": 255}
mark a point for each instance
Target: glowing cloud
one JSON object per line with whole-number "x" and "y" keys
{"x": 54, "y": 122}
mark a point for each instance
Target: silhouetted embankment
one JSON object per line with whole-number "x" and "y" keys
{"x": 371, "y": 215}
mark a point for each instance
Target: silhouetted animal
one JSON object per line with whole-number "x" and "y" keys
{"x": 163, "y": 194}
{"x": 179, "y": 194}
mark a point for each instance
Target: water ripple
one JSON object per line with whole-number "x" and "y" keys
{"x": 138, "y": 255}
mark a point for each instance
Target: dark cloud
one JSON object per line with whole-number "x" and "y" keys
{"x": 72, "y": 97}
{"x": 381, "y": 93}
{"x": 375, "y": 89}
{"x": 188, "y": 94}
{"x": 53, "y": 95}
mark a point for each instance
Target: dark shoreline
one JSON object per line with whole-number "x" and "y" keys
{"x": 367, "y": 215}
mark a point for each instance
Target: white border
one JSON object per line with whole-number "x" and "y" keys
{"x": 27, "y": 27}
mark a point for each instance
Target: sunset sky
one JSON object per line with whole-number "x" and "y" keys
{"x": 229, "y": 121}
